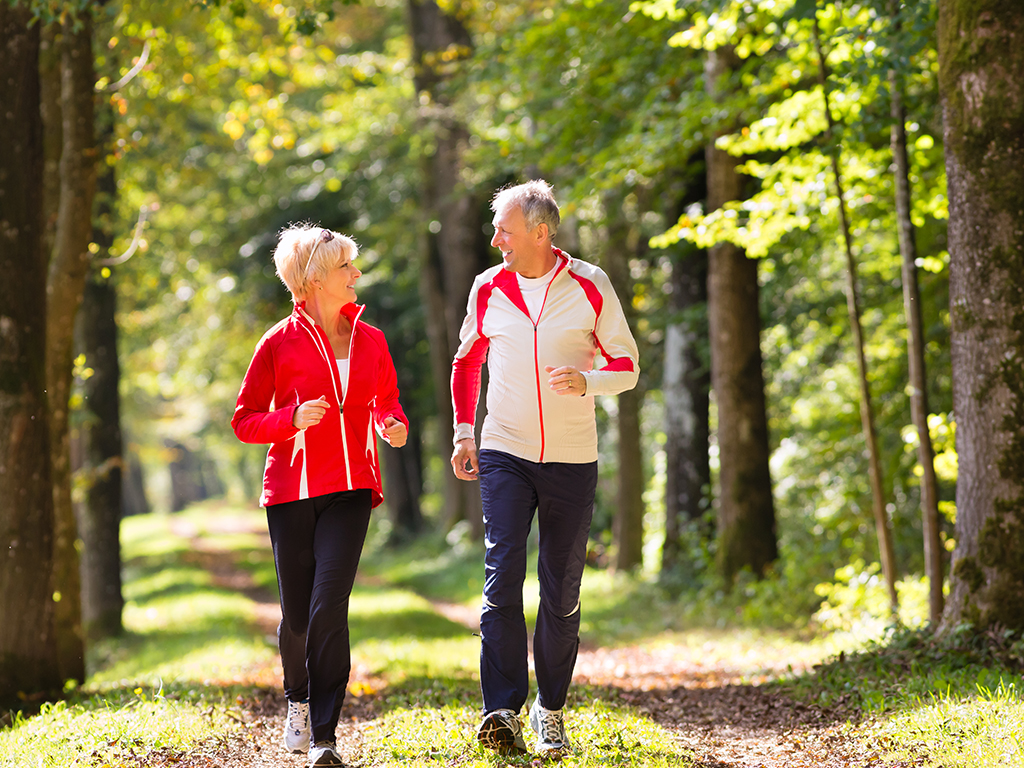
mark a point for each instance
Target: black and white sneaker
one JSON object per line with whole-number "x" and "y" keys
{"x": 296, "y": 730}
{"x": 550, "y": 730}
{"x": 502, "y": 732}
{"x": 324, "y": 753}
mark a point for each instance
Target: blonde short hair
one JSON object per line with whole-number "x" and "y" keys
{"x": 306, "y": 253}
{"x": 536, "y": 201}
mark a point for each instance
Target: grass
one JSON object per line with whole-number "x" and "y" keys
{"x": 957, "y": 697}
{"x": 193, "y": 653}
{"x": 174, "y": 679}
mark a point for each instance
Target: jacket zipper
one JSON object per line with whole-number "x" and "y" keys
{"x": 341, "y": 403}
{"x": 536, "y": 362}
{"x": 323, "y": 345}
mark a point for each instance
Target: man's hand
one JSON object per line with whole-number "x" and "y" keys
{"x": 395, "y": 432}
{"x": 309, "y": 413}
{"x": 465, "y": 453}
{"x": 566, "y": 380}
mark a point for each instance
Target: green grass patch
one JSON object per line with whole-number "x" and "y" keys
{"x": 100, "y": 732}
{"x": 170, "y": 682}
{"x": 602, "y": 734}
{"x": 986, "y": 729}
{"x": 956, "y": 698}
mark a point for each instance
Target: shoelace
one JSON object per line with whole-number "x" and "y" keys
{"x": 551, "y": 726}
{"x": 298, "y": 714}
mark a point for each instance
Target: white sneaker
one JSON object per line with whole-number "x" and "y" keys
{"x": 550, "y": 729}
{"x": 296, "y": 731}
{"x": 324, "y": 753}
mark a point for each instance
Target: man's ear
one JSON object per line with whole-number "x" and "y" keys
{"x": 542, "y": 232}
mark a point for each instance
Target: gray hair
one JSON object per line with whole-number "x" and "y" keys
{"x": 534, "y": 199}
{"x": 305, "y": 253}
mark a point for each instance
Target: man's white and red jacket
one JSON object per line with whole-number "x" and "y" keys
{"x": 294, "y": 363}
{"x": 580, "y": 318}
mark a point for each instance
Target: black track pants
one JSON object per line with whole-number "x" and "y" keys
{"x": 317, "y": 543}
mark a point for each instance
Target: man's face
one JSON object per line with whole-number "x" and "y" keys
{"x": 511, "y": 237}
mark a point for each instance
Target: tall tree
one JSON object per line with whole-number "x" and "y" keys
{"x": 746, "y": 516}
{"x": 915, "y": 328}
{"x": 685, "y": 389}
{"x": 981, "y": 79}
{"x": 100, "y": 463}
{"x": 628, "y": 522}
{"x": 452, "y": 255}
{"x": 867, "y": 413}
{"x": 69, "y": 264}
{"x": 28, "y": 653}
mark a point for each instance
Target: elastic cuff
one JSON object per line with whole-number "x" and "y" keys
{"x": 462, "y": 432}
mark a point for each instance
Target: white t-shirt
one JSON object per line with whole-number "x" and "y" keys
{"x": 343, "y": 372}
{"x": 533, "y": 290}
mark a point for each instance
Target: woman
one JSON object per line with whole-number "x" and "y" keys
{"x": 319, "y": 382}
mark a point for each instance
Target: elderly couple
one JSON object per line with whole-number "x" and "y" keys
{"x": 321, "y": 381}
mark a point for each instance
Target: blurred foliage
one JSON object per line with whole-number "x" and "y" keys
{"x": 248, "y": 116}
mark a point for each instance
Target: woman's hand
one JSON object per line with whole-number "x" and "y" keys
{"x": 395, "y": 432}
{"x": 309, "y": 413}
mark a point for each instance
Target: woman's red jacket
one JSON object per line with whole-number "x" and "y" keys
{"x": 294, "y": 363}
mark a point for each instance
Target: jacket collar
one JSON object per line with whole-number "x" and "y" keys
{"x": 351, "y": 310}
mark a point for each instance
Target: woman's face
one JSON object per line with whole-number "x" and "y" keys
{"x": 339, "y": 285}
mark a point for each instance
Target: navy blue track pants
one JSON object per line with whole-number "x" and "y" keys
{"x": 562, "y": 495}
{"x": 317, "y": 543}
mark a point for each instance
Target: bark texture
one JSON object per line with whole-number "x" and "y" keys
{"x": 28, "y": 653}
{"x": 981, "y": 81}
{"x": 455, "y": 250}
{"x": 746, "y": 514}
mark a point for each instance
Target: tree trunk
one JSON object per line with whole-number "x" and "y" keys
{"x": 99, "y": 514}
{"x": 49, "y": 107}
{"x": 686, "y": 385}
{"x": 882, "y": 529}
{"x": 99, "y": 435}
{"x": 628, "y": 521}
{"x": 100, "y": 447}
{"x": 915, "y": 343}
{"x": 28, "y": 653}
{"x": 981, "y": 83}
{"x": 188, "y": 481}
{"x": 746, "y": 515}
{"x": 453, "y": 255}
{"x": 404, "y": 487}
{"x": 69, "y": 264}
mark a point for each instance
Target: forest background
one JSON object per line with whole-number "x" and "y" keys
{"x": 766, "y": 181}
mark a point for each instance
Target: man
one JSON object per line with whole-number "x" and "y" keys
{"x": 539, "y": 319}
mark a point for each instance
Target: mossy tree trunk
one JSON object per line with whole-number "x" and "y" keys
{"x": 28, "y": 652}
{"x": 746, "y": 513}
{"x": 981, "y": 81}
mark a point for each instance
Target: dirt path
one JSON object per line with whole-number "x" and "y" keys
{"x": 721, "y": 721}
